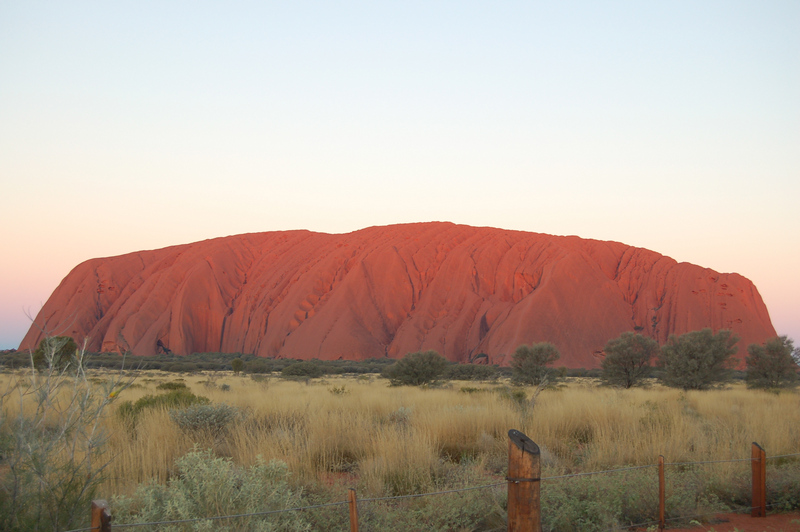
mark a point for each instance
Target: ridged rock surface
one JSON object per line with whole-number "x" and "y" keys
{"x": 387, "y": 291}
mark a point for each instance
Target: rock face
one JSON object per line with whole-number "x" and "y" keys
{"x": 387, "y": 291}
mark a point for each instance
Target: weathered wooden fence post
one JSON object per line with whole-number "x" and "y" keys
{"x": 524, "y": 472}
{"x": 759, "y": 467}
{"x": 662, "y": 494}
{"x": 101, "y": 517}
{"x": 352, "y": 503}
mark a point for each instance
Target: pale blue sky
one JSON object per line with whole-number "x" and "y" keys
{"x": 673, "y": 126}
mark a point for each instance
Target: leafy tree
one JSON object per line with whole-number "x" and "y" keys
{"x": 237, "y": 365}
{"x": 627, "y": 359}
{"x": 415, "y": 369}
{"x": 772, "y": 365}
{"x": 529, "y": 363}
{"x": 698, "y": 360}
{"x": 56, "y": 352}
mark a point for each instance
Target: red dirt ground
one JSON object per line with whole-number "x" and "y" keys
{"x": 789, "y": 522}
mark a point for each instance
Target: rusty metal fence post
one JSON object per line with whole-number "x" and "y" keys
{"x": 524, "y": 472}
{"x": 353, "y": 504}
{"x": 662, "y": 494}
{"x": 759, "y": 468}
{"x": 101, "y": 517}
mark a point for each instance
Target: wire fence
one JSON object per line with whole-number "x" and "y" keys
{"x": 100, "y": 527}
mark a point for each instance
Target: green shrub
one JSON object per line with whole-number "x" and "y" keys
{"x": 627, "y": 359}
{"x": 172, "y": 400}
{"x": 415, "y": 369}
{"x": 772, "y": 366}
{"x": 208, "y": 486}
{"x": 212, "y": 419}
{"x": 257, "y": 366}
{"x": 783, "y": 485}
{"x": 460, "y": 511}
{"x": 181, "y": 367}
{"x": 516, "y": 396}
{"x": 618, "y": 500}
{"x": 529, "y": 363}
{"x": 471, "y": 372}
{"x": 56, "y": 352}
{"x": 174, "y": 385}
{"x": 305, "y": 368}
{"x": 698, "y": 360}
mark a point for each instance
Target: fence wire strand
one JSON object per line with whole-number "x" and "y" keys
{"x": 395, "y": 497}
{"x": 783, "y": 456}
{"x": 599, "y": 472}
{"x": 635, "y": 525}
{"x": 218, "y": 517}
{"x": 711, "y": 461}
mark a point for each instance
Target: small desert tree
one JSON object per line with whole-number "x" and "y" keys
{"x": 414, "y": 369}
{"x": 772, "y": 365}
{"x": 237, "y": 365}
{"x": 529, "y": 363}
{"x": 627, "y": 359}
{"x": 698, "y": 360}
{"x": 56, "y": 352}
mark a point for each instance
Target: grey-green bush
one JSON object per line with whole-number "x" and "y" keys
{"x": 213, "y": 419}
{"x": 209, "y": 486}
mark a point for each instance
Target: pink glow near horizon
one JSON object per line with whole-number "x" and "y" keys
{"x": 671, "y": 127}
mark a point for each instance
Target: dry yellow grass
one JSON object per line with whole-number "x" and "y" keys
{"x": 399, "y": 439}
{"x": 402, "y": 433}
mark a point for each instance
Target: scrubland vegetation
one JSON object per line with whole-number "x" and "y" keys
{"x": 395, "y": 438}
{"x": 178, "y": 446}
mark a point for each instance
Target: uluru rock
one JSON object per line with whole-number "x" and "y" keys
{"x": 387, "y": 291}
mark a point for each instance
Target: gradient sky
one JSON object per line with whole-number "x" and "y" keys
{"x": 673, "y": 126}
